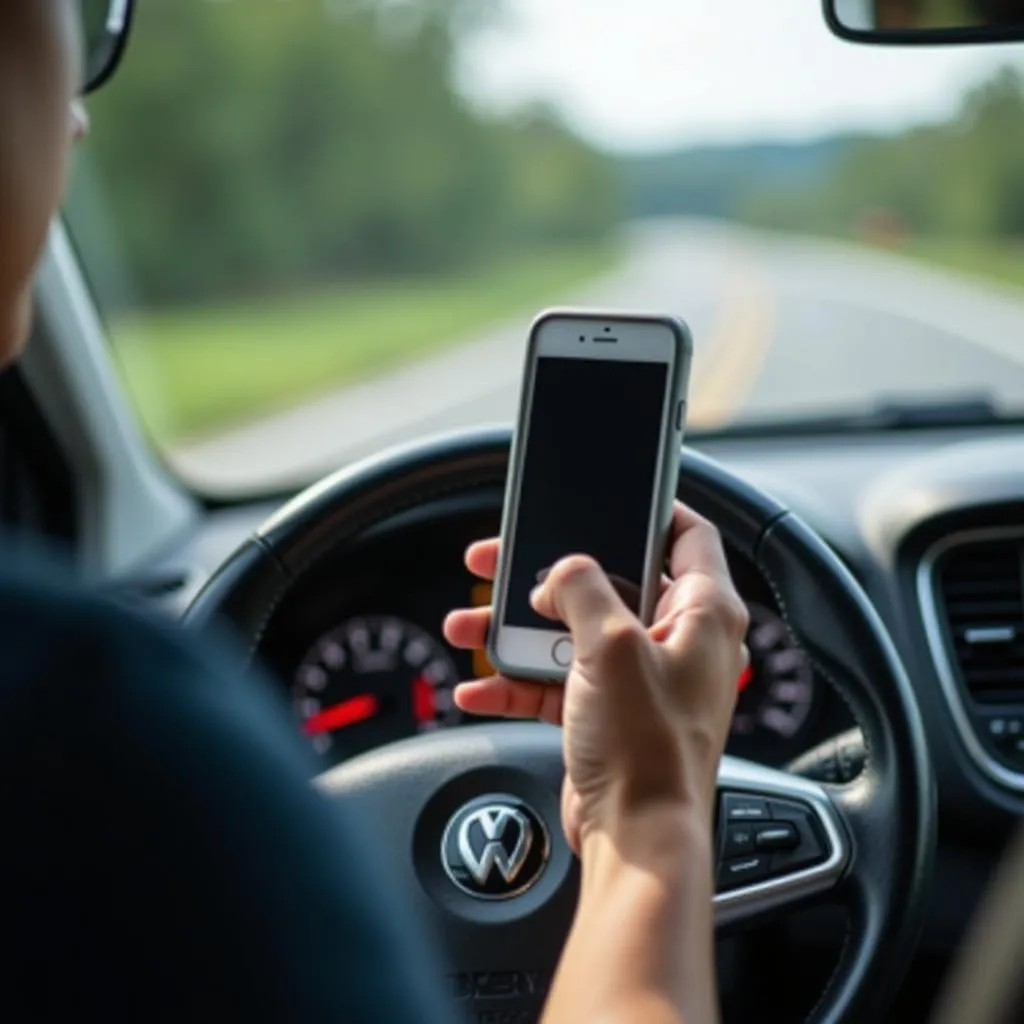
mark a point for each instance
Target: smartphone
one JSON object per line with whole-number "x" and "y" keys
{"x": 594, "y": 470}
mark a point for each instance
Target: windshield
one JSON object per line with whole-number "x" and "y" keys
{"x": 315, "y": 228}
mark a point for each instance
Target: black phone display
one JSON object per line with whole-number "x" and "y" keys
{"x": 588, "y": 475}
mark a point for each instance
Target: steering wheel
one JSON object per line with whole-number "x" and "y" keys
{"x": 467, "y": 821}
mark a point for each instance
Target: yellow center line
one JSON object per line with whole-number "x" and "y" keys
{"x": 728, "y": 366}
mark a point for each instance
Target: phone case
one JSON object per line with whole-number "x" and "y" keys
{"x": 667, "y": 481}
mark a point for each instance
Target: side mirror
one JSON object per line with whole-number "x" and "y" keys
{"x": 926, "y": 21}
{"x": 105, "y": 27}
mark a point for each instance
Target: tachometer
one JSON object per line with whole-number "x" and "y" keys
{"x": 777, "y": 692}
{"x": 371, "y": 681}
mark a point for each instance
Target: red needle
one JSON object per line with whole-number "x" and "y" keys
{"x": 424, "y": 700}
{"x": 348, "y": 712}
{"x": 747, "y": 678}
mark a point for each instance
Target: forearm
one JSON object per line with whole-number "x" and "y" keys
{"x": 642, "y": 944}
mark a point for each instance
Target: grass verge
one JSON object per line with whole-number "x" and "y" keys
{"x": 988, "y": 260}
{"x": 194, "y": 371}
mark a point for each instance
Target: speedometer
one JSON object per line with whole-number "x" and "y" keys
{"x": 777, "y": 692}
{"x": 371, "y": 681}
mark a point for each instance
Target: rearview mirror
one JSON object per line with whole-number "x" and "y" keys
{"x": 926, "y": 21}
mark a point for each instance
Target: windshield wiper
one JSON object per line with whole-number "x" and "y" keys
{"x": 885, "y": 415}
{"x": 967, "y": 412}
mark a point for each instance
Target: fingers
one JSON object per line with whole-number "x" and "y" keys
{"x": 482, "y": 558}
{"x": 467, "y": 628}
{"x": 708, "y": 614}
{"x": 496, "y": 696}
{"x": 695, "y": 546}
{"x": 702, "y": 601}
{"x": 579, "y": 593}
{"x": 507, "y": 698}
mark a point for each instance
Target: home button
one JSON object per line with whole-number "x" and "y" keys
{"x": 561, "y": 652}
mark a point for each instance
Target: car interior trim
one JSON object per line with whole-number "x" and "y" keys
{"x": 129, "y": 507}
{"x": 927, "y": 599}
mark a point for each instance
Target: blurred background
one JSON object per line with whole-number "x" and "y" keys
{"x": 315, "y": 227}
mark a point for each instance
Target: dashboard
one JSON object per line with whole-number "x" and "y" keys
{"x": 930, "y": 521}
{"x": 358, "y": 650}
{"x": 883, "y": 500}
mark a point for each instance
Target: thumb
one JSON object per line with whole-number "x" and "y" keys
{"x": 578, "y": 592}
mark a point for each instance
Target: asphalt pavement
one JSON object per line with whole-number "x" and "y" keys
{"x": 783, "y": 326}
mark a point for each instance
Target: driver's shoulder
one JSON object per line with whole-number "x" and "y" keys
{"x": 77, "y": 647}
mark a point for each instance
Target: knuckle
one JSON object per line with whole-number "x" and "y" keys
{"x": 702, "y": 522}
{"x": 690, "y": 515}
{"x": 710, "y": 534}
{"x": 725, "y": 611}
{"x": 573, "y": 569}
{"x": 740, "y": 616}
{"x": 621, "y": 638}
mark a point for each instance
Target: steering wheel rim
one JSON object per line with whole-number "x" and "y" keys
{"x": 881, "y": 828}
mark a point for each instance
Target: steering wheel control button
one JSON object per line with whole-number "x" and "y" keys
{"x": 562, "y": 652}
{"x": 737, "y": 808}
{"x": 740, "y": 871}
{"x": 781, "y": 836}
{"x": 762, "y": 839}
{"x": 809, "y": 849}
{"x": 495, "y": 847}
{"x": 739, "y": 839}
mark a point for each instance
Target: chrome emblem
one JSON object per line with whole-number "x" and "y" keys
{"x": 494, "y": 847}
{"x": 493, "y": 823}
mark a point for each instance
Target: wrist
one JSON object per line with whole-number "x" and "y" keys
{"x": 663, "y": 842}
{"x": 642, "y": 942}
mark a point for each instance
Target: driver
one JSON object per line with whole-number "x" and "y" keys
{"x": 164, "y": 856}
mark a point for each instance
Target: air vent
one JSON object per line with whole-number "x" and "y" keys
{"x": 981, "y": 596}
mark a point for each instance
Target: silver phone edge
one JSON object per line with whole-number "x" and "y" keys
{"x": 667, "y": 483}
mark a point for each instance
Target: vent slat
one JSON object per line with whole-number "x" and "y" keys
{"x": 981, "y": 609}
{"x": 981, "y": 594}
{"x": 966, "y": 589}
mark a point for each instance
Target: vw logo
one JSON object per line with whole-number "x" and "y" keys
{"x": 494, "y": 847}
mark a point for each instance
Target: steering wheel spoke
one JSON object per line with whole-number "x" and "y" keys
{"x": 780, "y": 842}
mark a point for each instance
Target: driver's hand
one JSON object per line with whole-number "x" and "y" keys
{"x": 645, "y": 711}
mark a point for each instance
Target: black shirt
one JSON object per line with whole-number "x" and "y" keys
{"x": 162, "y": 854}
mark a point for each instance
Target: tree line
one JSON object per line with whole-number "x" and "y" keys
{"x": 255, "y": 147}
{"x": 959, "y": 179}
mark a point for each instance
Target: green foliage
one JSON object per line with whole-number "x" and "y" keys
{"x": 713, "y": 181}
{"x": 252, "y": 147}
{"x": 963, "y": 179}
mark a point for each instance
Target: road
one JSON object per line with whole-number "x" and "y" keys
{"x": 782, "y": 326}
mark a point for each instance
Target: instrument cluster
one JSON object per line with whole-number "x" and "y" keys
{"x": 359, "y": 650}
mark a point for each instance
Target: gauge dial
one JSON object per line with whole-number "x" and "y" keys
{"x": 777, "y": 691}
{"x": 371, "y": 681}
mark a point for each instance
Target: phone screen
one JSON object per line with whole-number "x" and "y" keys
{"x": 587, "y": 482}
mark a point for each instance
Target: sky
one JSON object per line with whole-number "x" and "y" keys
{"x": 653, "y": 74}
